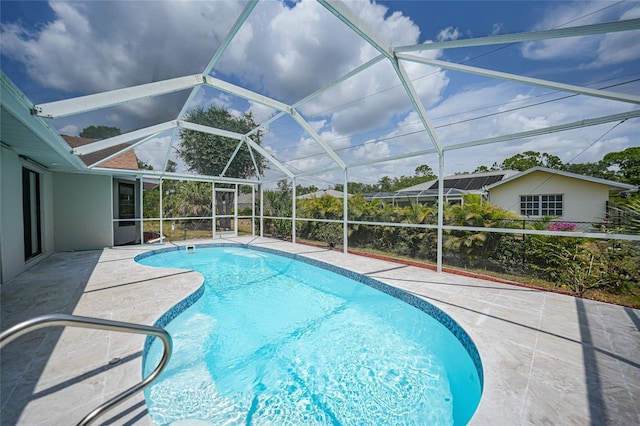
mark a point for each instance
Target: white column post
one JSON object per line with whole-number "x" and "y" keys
{"x": 213, "y": 210}
{"x": 261, "y": 209}
{"x": 161, "y": 210}
{"x": 253, "y": 210}
{"x": 235, "y": 211}
{"x": 141, "y": 186}
{"x": 440, "y": 209}
{"x": 293, "y": 212}
{"x": 345, "y": 212}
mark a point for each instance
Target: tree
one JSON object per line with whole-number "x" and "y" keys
{"x": 99, "y": 132}
{"x": 385, "y": 183}
{"x": 425, "y": 171}
{"x": 144, "y": 166}
{"x": 278, "y": 203}
{"x": 528, "y": 159}
{"x": 483, "y": 169}
{"x": 598, "y": 170}
{"x": 208, "y": 154}
{"x": 171, "y": 166}
{"x": 301, "y": 190}
{"x": 188, "y": 199}
{"x": 628, "y": 164}
{"x": 284, "y": 186}
{"x": 357, "y": 187}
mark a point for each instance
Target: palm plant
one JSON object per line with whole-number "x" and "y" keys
{"x": 188, "y": 199}
{"x": 469, "y": 246}
{"x": 326, "y": 207}
{"x": 277, "y": 204}
{"x": 627, "y": 215}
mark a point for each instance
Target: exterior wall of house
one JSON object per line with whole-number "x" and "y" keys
{"x": 82, "y": 211}
{"x": 12, "y": 258}
{"x": 584, "y": 201}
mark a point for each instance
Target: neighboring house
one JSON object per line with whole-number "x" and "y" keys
{"x": 322, "y": 193}
{"x": 455, "y": 187}
{"x": 534, "y": 193}
{"x": 247, "y": 200}
{"x": 540, "y": 192}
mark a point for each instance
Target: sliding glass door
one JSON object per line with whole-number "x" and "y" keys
{"x": 31, "y": 213}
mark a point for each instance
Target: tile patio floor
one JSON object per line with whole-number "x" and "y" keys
{"x": 548, "y": 359}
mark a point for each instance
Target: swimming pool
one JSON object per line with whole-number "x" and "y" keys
{"x": 274, "y": 340}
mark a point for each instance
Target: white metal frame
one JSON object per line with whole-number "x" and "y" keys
{"x": 396, "y": 56}
{"x": 234, "y": 216}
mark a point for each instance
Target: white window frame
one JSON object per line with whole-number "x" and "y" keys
{"x": 540, "y": 205}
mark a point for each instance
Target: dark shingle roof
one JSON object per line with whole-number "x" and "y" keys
{"x": 126, "y": 160}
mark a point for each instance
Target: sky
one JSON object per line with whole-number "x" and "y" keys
{"x": 288, "y": 50}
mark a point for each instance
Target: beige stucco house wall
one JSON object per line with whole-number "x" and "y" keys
{"x": 584, "y": 198}
{"x": 12, "y": 259}
{"x": 46, "y": 191}
{"x": 82, "y": 211}
{"x": 75, "y": 213}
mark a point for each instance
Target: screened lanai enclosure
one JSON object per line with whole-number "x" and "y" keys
{"x": 232, "y": 121}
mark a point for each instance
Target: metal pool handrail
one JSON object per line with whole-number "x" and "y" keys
{"x": 100, "y": 324}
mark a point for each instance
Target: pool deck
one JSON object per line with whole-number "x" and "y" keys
{"x": 548, "y": 359}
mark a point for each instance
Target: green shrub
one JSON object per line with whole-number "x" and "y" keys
{"x": 618, "y": 265}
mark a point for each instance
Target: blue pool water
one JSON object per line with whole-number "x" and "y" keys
{"x": 277, "y": 341}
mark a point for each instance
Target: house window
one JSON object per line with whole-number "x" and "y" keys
{"x": 126, "y": 203}
{"x": 541, "y": 205}
{"x": 31, "y": 213}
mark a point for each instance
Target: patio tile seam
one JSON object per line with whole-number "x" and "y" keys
{"x": 619, "y": 368}
{"x": 104, "y": 387}
{"x": 26, "y": 370}
{"x": 523, "y": 408}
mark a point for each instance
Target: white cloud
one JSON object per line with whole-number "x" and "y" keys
{"x": 617, "y": 48}
{"x": 260, "y": 112}
{"x": 154, "y": 152}
{"x": 324, "y": 49}
{"x": 114, "y": 118}
{"x": 371, "y": 151}
{"x": 69, "y": 130}
{"x": 560, "y": 48}
{"x": 448, "y": 33}
{"x": 98, "y": 46}
{"x": 91, "y": 47}
{"x": 288, "y": 52}
{"x": 318, "y": 125}
{"x": 267, "y": 56}
{"x": 592, "y": 51}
